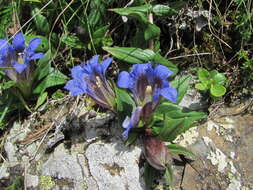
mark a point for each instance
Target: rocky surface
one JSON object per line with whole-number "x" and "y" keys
{"x": 86, "y": 156}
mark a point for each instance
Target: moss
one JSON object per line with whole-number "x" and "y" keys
{"x": 84, "y": 186}
{"x": 17, "y": 184}
{"x": 46, "y": 183}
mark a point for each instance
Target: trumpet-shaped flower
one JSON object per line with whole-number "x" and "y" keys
{"x": 16, "y": 57}
{"x": 148, "y": 84}
{"x": 89, "y": 78}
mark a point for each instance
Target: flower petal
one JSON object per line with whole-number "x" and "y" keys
{"x": 124, "y": 80}
{"x": 129, "y": 124}
{"x": 77, "y": 72}
{"x": 37, "y": 56}
{"x": 93, "y": 61}
{"x": 169, "y": 93}
{"x": 34, "y": 44}
{"x": 19, "y": 42}
{"x": 74, "y": 87}
{"x": 19, "y": 67}
{"x": 105, "y": 64}
{"x": 162, "y": 71}
{"x": 139, "y": 69}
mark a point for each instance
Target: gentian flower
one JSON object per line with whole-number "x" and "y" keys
{"x": 89, "y": 78}
{"x": 16, "y": 57}
{"x": 148, "y": 84}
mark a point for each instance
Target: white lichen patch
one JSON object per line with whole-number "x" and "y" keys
{"x": 187, "y": 138}
{"x": 216, "y": 156}
{"x": 232, "y": 167}
{"x": 211, "y": 125}
{"x": 232, "y": 155}
{"x": 228, "y": 124}
{"x": 235, "y": 183}
{"x": 222, "y": 128}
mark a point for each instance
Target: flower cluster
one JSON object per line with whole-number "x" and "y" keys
{"x": 148, "y": 84}
{"x": 89, "y": 78}
{"x": 15, "y": 58}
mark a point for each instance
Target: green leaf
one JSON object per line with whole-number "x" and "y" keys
{"x": 219, "y": 78}
{"x": 161, "y": 60}
{"x": 36, "y": 1}
{"x": 168, "y": 176}
{"x": 174, "y": 120}
{"x": 100, "y": 32}
{"x": 124, "y": 101}
{"x": 97, "y": 13}
{"x": 163, "y": 10}
{"x": 203, "y": 76}
{"x": 149, "y": 175}
{"x": 140, "y": 12}
{"x": 40, "y": 21}
{"x": 217, "y": 90}
{"x": 43, "y": 47}
{"x": 43, "y": 67}
{"x": 132, "y": 137}
{"x": 42, "y": 98}
{"x": 177, "y": 149}
{"x": 54, "y": 78}
{"x": 137, "y": 55}
{"x": 182, "y": 85}
{"x": 6, "y": 85}
{"x": 201, "y": 86}
{"x": 131, "y": 55}
{"x": 73, "y": 41}
{"x": 151, "y": 31}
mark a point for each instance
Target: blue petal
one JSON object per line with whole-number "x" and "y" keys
{"x": 93, "y": 61}
{"x": 162, "y": 71}
{"x": 169, "y": 93}
{"x": 4, "y": 47}
{"x": 105, "y": 64}
{"x": 125, "y": 133}
{"x": 37, "y": 56}
{"x": 131, "y": 123}
{"x": 74, "y": 87}
{"x": 77, "y": 72}
{"x": 34, "y": 44}
{"x": 124, "y": 80}
{"x": 20, "y": 67}
{"x": 139, "y": 69}
{"x": 126, "y": 122}
{"x": 19, "y": 42}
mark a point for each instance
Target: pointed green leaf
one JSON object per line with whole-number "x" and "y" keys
{"x": 182, "y": 86}
{"x": 177, "y": 149}
{"x": 168, "y": 176}
{"x": 54, "y": 78}
{"x": 163, "y": 10}
{"x": 151, "y": 31}
{"x": 140, "y": 12}
{"x": 42, "y": 98}
{"x": 149, "y": 175}
{"x": 131, "y": 55}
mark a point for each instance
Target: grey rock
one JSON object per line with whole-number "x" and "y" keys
{"x": 32, "y": 181}
{"x": 115, "y": 166}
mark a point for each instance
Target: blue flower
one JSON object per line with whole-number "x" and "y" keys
{"x": 17, "y": 56}
{"x": 130, "y": 123}
{"x": 89, "y": 78}
{"x": 148, "y": 85}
